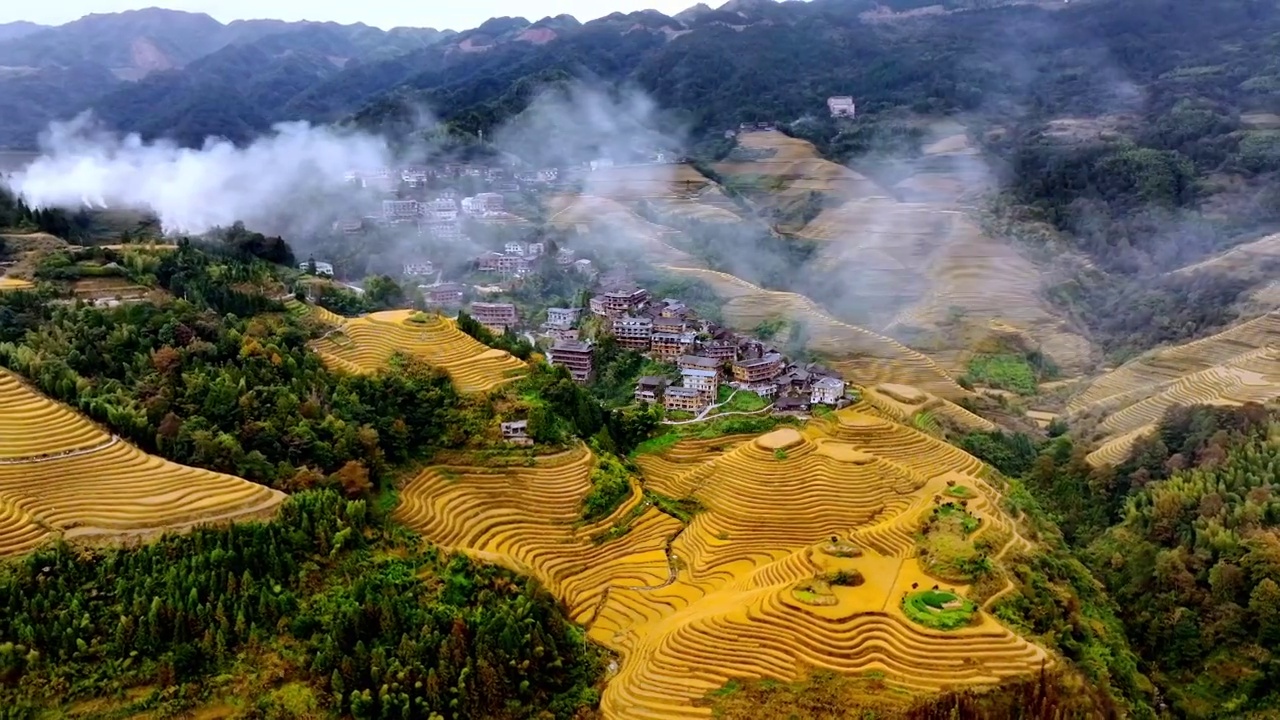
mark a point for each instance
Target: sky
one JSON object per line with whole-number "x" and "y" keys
{"x": 439, "y": 14}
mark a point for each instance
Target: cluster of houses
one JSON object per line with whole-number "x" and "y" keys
{"x": 706, "y": 355}
{"x": 501, "y": 179}
{"x": 440, "y": 216}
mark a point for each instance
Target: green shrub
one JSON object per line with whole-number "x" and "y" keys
{"x": 939, "y": 609}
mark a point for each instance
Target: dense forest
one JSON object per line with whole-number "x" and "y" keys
{"x": 327, "y": 606}
{"x": 1182, "y": 537}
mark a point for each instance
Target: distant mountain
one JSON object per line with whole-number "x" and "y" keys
{"x": 185, "y": 76}
{"x": 15, "y": 30}
{"x": 179, "y": 74}
{"x": 131, "y": 44}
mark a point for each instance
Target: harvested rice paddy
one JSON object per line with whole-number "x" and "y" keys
{"x": 735, "y": 592}
{"x": 62, "y": 475}
{"x": 366, "y": 345}
{"x": 1241, "y": 364}
{"x": 13, "y": 283}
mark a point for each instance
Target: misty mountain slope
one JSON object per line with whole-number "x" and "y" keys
{"x": 923, "y": 270}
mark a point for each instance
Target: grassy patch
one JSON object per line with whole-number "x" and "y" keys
{"x": 959, "y": 491}
{"x": 939, "y": 609}
{"x": 925, "y": 422}
{"x": 682, "y": 509}
{"x": 779, "y": 454}
{"x": 742, "y": 401}
{"x": 769, "y": 329}
{"x": 738, "y": 425}
{"x": 947, "y": 550}
{"x": 657, "y": 445}
{"x": 1005, "y": 371}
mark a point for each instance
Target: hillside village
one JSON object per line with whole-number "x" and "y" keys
{"x": 710, "y": 361}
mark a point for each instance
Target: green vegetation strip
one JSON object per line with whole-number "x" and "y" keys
{"x": 939, "y": 609}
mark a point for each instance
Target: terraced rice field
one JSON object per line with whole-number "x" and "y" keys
{"x": 13, "y": 283}
{"x": 1239, "y": 365}
{"x": 869, "y": 357}
{"x": 902, "y": 403}
{"x": 914, "y": 265}
{"x": 626, "y": 183}
{"x": 928, "y": 266}
{"x": 797, "y": 166}
{"x": 688, "y": 608}
{"x": 1239, "y": 259}
{"x": 297, "y": 308}
{"x": 62, "y": 475}
{"x": 587, "y": 211}
{"x": 366, "y": 345}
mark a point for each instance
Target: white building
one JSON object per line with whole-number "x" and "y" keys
{"x": 450, "y": 231}
{"x": 601, "y": 163}
{"x": 414, "y": 176}
{"x": 419, "y": 269}
{"x": 396, "y": 211}
{"x": 536, "y": 249}
{"x": 515, "y": 248}
{"x": 564, "y": 256}
{"x": 471, "y": 207}
{"x": 827, "y": 391}
{"x": 322, "y": 268}
{"x": 563, "y": 316}
{"x": 583, "y": 266}
{"x": 704, "y": 381}
{"x": 443, "y": 204}
{"x": 841, "y": 106}
{"x": 489, "y": 202}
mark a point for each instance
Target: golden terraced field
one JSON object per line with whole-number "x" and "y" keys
{"x": 61, "y": 474}
{"x": 638, "y": 182}
{"x": 366, "y": 344}
{"x": 688, "y": 608}
{"x": 1238, "y": 365}
{"x": 798, "y": 167}
{"x": 13, "y": 283}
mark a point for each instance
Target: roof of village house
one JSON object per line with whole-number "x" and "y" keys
{"x": 697, "y": 372}
{"x": 651, "y": 381}
{"x": 570, "y": 346}
{"x": 678, "y": 391}
{"x": 790, "y": 403}
{"x": 445, "y": 287}
{"x": 767, "y": 359}
{"x": 819, "y": 369}
{"x": 829, "y": 383}
{"x": 696, "y": 360}
{"x": 515, "y": 425}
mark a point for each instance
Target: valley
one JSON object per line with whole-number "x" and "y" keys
{"x": 801, "y": 360}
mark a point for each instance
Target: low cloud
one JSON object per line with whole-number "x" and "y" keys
{"x": 294, "y": 170}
